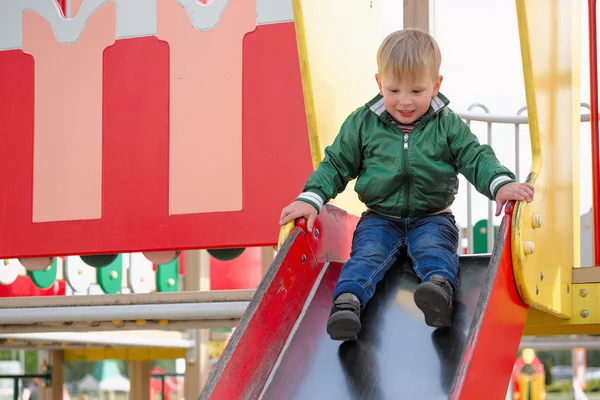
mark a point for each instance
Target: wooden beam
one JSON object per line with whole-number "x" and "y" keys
{"x": 197, "y": 367}
{"x": 416, "y": 14}
{"x": 139, "y": 378}
{"x": 267, "y": 257}
{"x": 586, "y": 275}
{"x": 201, "y": 296}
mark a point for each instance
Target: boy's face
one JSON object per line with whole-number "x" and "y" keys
{"x": 408, "y": 99}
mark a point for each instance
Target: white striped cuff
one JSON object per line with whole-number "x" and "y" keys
{"x": 313, "y": 198}
{"x": 498, "y": 180}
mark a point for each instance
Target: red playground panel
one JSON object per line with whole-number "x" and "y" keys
{"x": 151, "y": 139}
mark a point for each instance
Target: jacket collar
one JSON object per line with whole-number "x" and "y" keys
{"x": 438, "y": 103}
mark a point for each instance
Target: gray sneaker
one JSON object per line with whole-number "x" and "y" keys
{"x": 344, "y": 319}
{"x": 435, "y": 298}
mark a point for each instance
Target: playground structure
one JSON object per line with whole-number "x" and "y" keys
{"x": 195, "y": 189}
{"x": 528, "y": 379}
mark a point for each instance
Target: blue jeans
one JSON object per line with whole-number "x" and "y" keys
{"x": 431, "y": 242}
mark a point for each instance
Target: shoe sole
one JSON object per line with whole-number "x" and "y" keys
{"x": 343, "y": 325}
{"x": 433, "y": 301}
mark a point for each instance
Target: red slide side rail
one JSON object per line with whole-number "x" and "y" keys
{"x": 594, "y": 126}
{"x": 493, "y": 348}
{"x": 271, "y": 315}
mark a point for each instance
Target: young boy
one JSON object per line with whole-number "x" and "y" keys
{"x": 406, "y": 147}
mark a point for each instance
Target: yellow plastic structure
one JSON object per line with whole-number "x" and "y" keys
{"x": 338, "y": 69}
{"x": 338, "y": 66}
{"x": 546, "y": 231}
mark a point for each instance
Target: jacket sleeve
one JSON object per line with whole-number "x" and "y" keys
{"x": 477, "y": 162}
{"x": 340, "y": 165}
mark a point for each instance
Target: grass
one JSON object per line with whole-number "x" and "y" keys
{"x": 567, "y": 396}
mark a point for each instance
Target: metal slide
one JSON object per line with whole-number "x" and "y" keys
{"x": 397, "y": 356}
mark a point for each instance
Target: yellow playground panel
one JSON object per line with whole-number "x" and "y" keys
{"x": 563, "y": 296}
{"x": 338, "y": 70}
{"x": 546, "y": 232}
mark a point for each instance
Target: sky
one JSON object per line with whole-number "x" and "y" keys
{"x": 481, "y": 63}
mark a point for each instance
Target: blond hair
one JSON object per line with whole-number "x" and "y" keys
{"x": 407, "y": 53}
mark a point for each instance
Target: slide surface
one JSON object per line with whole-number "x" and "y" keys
{"x": 396, "y": 356}
{"x": 282, "y": 351}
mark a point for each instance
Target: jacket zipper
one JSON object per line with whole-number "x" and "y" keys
{"x": 406, "y": 178}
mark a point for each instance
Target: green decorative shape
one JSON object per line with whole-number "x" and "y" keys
{"x": 225, "y": 330}
{"x": 480, "y": 237}
{"x": 106, "y": 370}
{"x": 46, "y": 277}
{"x": 226, "y": 254}
{"x": 167, "y": 276}
{"x": 99, "y": 260}
{"x": 110, "y": 277}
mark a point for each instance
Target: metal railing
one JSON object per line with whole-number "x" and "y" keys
{"x": 46, "y": 381}
{"x": 491, "y": 120}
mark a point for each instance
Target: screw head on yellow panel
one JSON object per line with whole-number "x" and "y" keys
{"x": 536, "y": 221}
{"x": 584, "y": 313}
{"x": 583, "y": 292}
{"x": 529, "y": 247}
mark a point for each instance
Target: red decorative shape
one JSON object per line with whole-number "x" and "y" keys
{"x": 156, "y": 384}
{"x": 243, "y": 272}
{"x": 24, "y": 287}
{"x": 135, "y": 154}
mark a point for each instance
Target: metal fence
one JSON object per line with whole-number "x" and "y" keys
{"x": 496, "y": 125}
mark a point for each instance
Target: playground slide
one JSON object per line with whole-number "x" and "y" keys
{"x": 281, "y": 350}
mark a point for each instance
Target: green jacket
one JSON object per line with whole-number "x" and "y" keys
{"x": 405, "y": 175}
